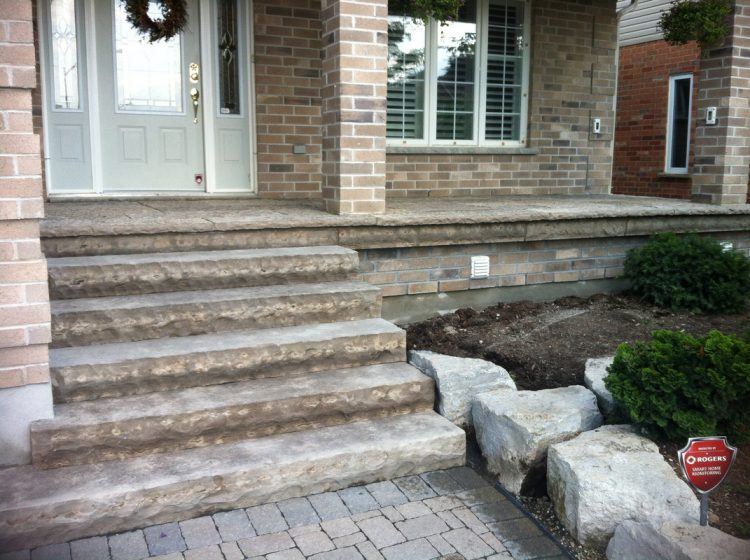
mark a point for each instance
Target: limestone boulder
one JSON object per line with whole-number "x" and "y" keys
{"x": 674, "y": 541}
{"x": 515, "y": 429}
{"x": 593, "y": 378}
{"x": 458, "y": 380}
{"x": 609, "y": 475}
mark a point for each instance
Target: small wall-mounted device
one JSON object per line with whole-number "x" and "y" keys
{"x": 480, "y": 266}
{"x": 710, "y": 115}
{"x": 597, "y": 126}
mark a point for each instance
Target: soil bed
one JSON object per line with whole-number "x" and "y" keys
{"x": 546, "y": 344}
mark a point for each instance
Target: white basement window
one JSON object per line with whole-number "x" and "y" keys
{"x": 462, "y": 82}
{"x": 678, "y": 123}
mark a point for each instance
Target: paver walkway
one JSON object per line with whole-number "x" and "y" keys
{"x": 452, "y": 514}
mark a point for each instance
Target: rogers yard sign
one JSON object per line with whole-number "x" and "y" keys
{"x": 705, "y": 462}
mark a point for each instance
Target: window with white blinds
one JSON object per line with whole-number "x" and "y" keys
{"x": 459, "y": 82}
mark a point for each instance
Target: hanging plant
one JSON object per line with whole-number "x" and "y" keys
{"x": 174, "y": 18}
{"x": 704, "y": 21}
{"x": 440, "y": 10}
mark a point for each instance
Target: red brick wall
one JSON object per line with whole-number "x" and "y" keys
{"x": 641, "y": 130}
{"x": 24, "y": 303}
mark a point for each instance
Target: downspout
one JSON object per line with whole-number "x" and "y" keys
{"x": 619, "y": 14}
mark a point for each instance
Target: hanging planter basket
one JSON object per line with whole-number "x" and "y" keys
{"x": 174, "y": 18}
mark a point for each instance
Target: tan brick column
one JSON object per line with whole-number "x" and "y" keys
{"x": 25, "y": 392}
{"x": 355, "y": 49}
{"x": 722, "y": 151}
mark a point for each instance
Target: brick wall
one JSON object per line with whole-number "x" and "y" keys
{"x": 642, "y": 109}
{"x": 24, "y": 300}
{"x": 573, "y": 77}
{"x": 722, "y": 151}
{"x": 426, "y": 270}
{"x": 288, "y": 104}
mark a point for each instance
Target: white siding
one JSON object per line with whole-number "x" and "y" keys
{"x": 640, "y": 24}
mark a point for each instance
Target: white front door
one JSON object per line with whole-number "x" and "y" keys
{"x": 127, "y": 117}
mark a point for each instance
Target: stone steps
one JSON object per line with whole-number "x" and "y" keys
{"x": 128, "y": 368}
{"x": 116, "y": 429}
{"x": 115, "y": 275}
{"x": 103, "y": 320}
{"x": 45, "y": 506}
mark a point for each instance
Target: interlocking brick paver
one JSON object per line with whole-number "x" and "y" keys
{"x": 298, "y": 512}
{"x": 128, "y": 546}
{"x": 440, "y": 544}
{"x": 467, "y": 478}
{"x": 414, "y": 488}
{"x": 265, "y": 544}
{"x": 312, "y": 543}
{"x": 351, "y": 524}
{"x": 483, "y": 495}
{"x": 413, "y": 509}
{"x": 368, "y": 550}
{"x": 423, "y": 526}
{"x": 164, "y": 539}
{"x": 349, "y": 540}
{"x": 339, "y": 527}
{"x": 199, "y": 532}
{"x": 233, "y": 525}
{"x": 421, "y": 549}
{"x": 349, "y": 553}
{"x": 94, "y": 548}
{"x": 328, "y": 505}
{"x": 450, "y": 518}
{"x": 515, "y": 529}
{"x": 442, "y": 503}
{"x": 291, "y": 554}
{"x": 498, "y": 511}
{"x": 535, "y": 547}
{"x": 442, "y": 483}
{"x": 266, "y": 519}
{"x": 212, "y": 552}
{"x": 381, "y": 532}
{"x": 386, "y": 493}
{"x": 467, "y": 517}
{"x": 392, "y": 514}
{"x": 51, "y": 552}
{"x": 231, "y": 551}
{"x": 358, "y": 499}
{"x": 468, "y": 544}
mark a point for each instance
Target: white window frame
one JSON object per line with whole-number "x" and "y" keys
{"x": 480, "y": 87}
{"x": 670, "y": 125}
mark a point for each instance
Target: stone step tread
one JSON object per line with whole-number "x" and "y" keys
{"x": 117, "y": 352}
{"x": 194, "y": 399}
{"x": 44, "y": 506}
{"x": 157, "y": 300}
{"x": 197, "y": 256}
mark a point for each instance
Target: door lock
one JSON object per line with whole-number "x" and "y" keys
{"x": 194, "y": 72}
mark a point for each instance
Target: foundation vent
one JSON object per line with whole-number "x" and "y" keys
{"x": 480, "y": 266}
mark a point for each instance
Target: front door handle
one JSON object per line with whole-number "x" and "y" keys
{"x": 195, "y": 96}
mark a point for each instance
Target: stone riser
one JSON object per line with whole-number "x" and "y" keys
{"x": 115, "y": 370}
{"x": 40, "y": 507}
{"x": 132, "y": 318}
{"x": 158, "y": 242}
{"x": 111, "y": 429}
{"x": 117, "y": 275}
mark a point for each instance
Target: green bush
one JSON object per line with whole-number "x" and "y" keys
{"x": 679, "y": 386}
{"x": 704, "y": 21}
{"x": 689, "y": 272}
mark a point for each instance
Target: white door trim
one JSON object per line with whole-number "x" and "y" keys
{"x": 208, "y": 96}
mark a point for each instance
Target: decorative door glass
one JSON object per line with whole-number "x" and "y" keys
{"x": 64, "y": 54}
{"x": 149, "y": 77}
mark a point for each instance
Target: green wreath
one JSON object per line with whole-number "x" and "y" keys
{"x": 174, "y": 18}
